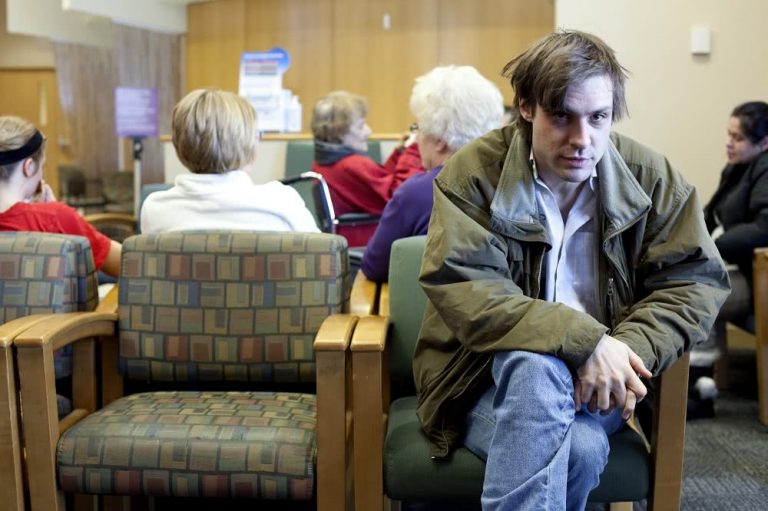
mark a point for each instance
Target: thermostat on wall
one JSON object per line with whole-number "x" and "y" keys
{"x": 701, "y": 39}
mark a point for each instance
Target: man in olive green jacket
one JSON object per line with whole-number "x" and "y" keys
{"x": 563, "y": 262}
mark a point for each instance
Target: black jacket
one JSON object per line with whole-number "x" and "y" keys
{"x": 741, "y": 204}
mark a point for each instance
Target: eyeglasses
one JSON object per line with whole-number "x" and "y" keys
{"x": 413, "y": 128}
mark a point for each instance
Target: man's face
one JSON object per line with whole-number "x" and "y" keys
{"x": 568, "y": 143}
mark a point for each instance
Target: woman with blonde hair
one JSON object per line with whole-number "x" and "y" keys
{"x": 27, "y": 203}
{"x": 215, "y": 135}
{"x": 357, "y": 183}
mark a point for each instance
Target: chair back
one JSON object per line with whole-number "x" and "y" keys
{"x": 228, "y": 305}
{"x": 44, "y": 273}
{"x": 317, "y": 197}
{"x": 117, "y": 188}
{"x": 406, "y": 307}
{"x": 299, "y": 155}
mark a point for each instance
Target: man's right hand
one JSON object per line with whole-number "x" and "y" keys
{"x": 611, "y": 378}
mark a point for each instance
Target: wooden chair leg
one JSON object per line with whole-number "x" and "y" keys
{"x": 620, "y": 506}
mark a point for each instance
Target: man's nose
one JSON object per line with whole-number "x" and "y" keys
{"x": 579, "y": 134}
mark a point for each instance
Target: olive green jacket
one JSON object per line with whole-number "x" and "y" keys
{"x": 661, "y": 281}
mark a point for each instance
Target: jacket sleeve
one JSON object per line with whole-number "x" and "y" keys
{"x": 738, "y": 241}
{"x": 466, "y": 274}
{"x": 681, "y": 282}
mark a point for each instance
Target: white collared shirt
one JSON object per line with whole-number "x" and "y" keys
{"x": 569, "y": 275}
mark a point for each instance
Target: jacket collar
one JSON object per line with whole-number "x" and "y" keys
{"x": 514, "y": 211}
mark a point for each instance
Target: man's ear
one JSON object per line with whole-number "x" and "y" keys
{"x": 442, "y": 147}
{"x": 526, "y": 111}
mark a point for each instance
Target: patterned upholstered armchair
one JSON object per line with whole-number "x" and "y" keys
{"x": 39, "y": 273}
{"x": 206, "y": 313}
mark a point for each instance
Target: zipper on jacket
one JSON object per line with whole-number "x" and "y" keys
{"x": 611, "y": 305}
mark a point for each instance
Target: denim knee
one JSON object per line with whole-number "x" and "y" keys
{"x": 589, "y": 447}
{"x": 530, "y": 371}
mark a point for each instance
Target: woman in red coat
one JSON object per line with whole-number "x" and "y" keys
{"x": 357, "y": 183}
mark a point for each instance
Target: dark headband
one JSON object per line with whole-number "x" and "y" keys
{"x": 25, "y": 151}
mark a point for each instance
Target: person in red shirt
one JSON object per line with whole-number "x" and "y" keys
{"x": 27, "y": 203}
{"x": 357, "y": 183}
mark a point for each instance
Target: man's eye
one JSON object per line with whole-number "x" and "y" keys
{"x": 599, "y": 117}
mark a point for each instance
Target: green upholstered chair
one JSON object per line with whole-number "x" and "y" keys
{"x": 40, "y": 273}
{"x": 232, "y": 326}
{"x": 392, "y": 456}
{"x": 299, "y": 155}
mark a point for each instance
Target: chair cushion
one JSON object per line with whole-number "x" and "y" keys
{"x": 194, "y": 444}
{"x": 410, "y": 473}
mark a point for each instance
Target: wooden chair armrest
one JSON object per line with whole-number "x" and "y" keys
{"x": 370, "y": 393}
{"x": 111, "y": 218}
{"x": 364, "y": 297}
{"x": 334, "y": 415}
{"x": 12, "y": 329}
{"x": 668, "y": 437}
{"x": 384, "y": 299}
{"x": 109, "y": 302}
{"x": 34, "y": 350}
{"x": 335, "y": 333}
{"x": 59, "y": 330}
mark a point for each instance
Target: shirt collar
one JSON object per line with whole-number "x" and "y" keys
{"x": 592, "y": 177}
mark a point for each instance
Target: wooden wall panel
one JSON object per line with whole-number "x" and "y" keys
{"x": 305, "y": 30}
{"x": 343, "y": 44}
{"x": 489, "y": 33}
{"x": 150, "y": 59}
{"x": 33, "y": 95}
{"x": 381, "y": 63}
{"x": 215, "y": 40}
{"x": 87, "y": 76}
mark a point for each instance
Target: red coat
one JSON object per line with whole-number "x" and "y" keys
{"x": 360, "y": 185}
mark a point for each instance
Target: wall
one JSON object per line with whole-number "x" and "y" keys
{"x": 344, "y": 44}
{"x": 679, "y": 103}
{"x": 21, "y": 51}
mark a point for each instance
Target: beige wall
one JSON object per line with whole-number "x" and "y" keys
{"x": 679, "y": 103}
{"x": 17, "y": 51}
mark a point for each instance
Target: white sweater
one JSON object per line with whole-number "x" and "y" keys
{"x": 225, "y": 201}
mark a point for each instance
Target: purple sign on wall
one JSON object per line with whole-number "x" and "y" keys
{"x": 135, "y": 112}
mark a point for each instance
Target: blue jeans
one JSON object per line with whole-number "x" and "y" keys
{"x": 540, "y": 453}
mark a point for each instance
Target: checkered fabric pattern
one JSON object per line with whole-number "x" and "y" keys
{"x": 195, "y": 444}
{"x": 227, "y": 305}
{"x": 213, "y": 306}
{"x": 43, "y": 273}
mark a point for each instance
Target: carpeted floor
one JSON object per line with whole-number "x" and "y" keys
{"x": 726, "y": 457}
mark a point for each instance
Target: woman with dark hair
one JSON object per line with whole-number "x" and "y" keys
{"x": 737, "y": 219}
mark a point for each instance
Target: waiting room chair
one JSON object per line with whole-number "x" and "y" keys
{"x": 299, "y": 155}
{"x": 117, "y": 188}
{"x": 760, "y": 289}
{"x": 204, "y": 310}
{"x": 73, "y": 187}
{"x": 115, "y": 226}
{"x": 40, "y": 273}
{"x": 392, "y": 455}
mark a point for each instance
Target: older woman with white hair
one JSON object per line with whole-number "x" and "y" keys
{"x": 215, "y": 135}
{"x": 452, "y": 105}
